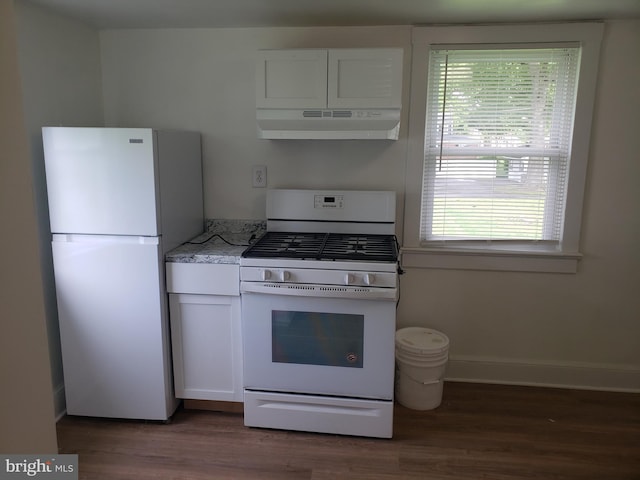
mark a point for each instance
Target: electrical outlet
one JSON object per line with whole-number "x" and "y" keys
{"x": 259, "y": 176}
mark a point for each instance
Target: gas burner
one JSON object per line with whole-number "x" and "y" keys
{"x": 325, "y": 246}
{"x": 362, "y": 247}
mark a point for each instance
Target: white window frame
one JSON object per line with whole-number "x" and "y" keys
{"x": 514, "y": 256}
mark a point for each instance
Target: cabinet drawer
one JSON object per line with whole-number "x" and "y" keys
{"x": 203, "y": 278}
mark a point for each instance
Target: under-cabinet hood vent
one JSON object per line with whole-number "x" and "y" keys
{"x": 342, "y": 114}
{"x": 327, "y": 113}
{"x": 328, "y": 124}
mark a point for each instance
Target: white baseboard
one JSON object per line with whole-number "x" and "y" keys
{"x": 59, "y": 401}
{"x": 584, "y": 376}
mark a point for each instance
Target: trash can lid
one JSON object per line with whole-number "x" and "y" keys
{"x": 421, "y": 340}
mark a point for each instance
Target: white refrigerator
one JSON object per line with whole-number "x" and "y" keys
{"x": 119, "y": 199}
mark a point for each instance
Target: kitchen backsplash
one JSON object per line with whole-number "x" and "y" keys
{"x": 220, "y": 226}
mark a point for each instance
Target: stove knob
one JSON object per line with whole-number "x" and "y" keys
{"x": 349, "y": 279}
{"x": 285, "y": 276}
{"x": 369, "y": 278}
{"x": 265, "y": 274}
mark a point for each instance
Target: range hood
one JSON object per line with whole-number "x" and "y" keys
{"x": 327, "y": 124}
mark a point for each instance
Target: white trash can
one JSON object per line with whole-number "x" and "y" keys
{"x": 421, "y": 360}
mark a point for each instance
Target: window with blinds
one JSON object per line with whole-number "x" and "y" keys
{"x": 498, "y": 134}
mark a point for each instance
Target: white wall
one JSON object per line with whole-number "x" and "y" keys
{"x": 61, "y": 84}
{"x": 26, "y": 404}
{"x": 204, "y": 79}
{"x": 576, "y": 330}
{"x": 580, "y": 330}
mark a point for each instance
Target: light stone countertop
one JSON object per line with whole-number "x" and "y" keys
{"x": 223, "y": 242}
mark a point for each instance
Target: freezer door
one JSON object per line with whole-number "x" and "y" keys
{"x": 113, "y": 327}
{"x": 101, "y": 180}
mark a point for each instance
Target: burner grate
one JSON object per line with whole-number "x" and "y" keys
{"x": 324, "y": 246}
{"x": 361, "y": 247}
{"x": 286, "y": 245}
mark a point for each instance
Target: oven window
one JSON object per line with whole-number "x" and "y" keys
{"x": 313, "y": 338}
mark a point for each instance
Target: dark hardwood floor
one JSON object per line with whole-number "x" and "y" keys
{"x": 479, "y": 432}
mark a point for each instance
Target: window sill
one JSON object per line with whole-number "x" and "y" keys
{"x": 490, "y": 259}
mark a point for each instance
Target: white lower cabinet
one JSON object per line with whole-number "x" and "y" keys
{"x": 204, "y": 304}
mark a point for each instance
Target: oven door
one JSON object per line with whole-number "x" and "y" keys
{"x": 326, "y": 346}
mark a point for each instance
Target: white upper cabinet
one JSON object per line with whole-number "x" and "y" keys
{"x": 364, "y": 78}
{"x": 291, "y": 79}
{"x": 334, "y": 78}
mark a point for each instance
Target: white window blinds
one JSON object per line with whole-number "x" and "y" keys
{"x": 498, "y": 143}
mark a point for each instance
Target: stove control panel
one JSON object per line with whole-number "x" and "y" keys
{"x": 319, "y": 276}
{"x": 329, "y": 201}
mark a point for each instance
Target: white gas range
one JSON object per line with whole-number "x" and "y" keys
{"x": 319, "y": 298}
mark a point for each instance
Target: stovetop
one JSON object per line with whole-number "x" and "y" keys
{"x": 325, "y": 246}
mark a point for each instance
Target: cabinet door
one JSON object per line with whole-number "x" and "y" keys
{"x": 365, "y": 78}
{"x": 207, "y": 347}
{"x": 291, "y": 79}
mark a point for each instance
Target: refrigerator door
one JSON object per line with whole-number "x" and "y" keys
{"x": 102, "y": 180}
{"x": 113, "y": 326}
